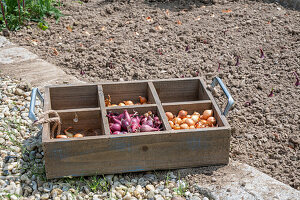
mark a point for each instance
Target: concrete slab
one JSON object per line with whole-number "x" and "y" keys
{"x": 39, "y": 73}
{"x": 4, "y": 42}
{"x": 15, "y": 55}
{"x": 241, "y": 181}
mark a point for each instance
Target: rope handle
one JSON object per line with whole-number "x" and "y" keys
{"x": 55, "y": 119}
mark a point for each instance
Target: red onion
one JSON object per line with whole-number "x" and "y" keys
{"x": 134, "y": 128}
{"x": 147, "y": 128}
{"x": 143, "y": 120}
{"x": 127, "y": 116}
{"x": 115, "y": 127}
{"x": 125, "y": 124}
{"x": 116, "y": 133}
{"x": 134, "y": 121}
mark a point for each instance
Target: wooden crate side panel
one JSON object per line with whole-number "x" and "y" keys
{"x": 136, "y": 153}
{"x": 85, "y": 96}
{"x": 47, "y": 106}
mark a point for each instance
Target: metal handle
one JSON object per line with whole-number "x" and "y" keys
{"x": 230, "y": 101}
{"x": 35, "y": 93}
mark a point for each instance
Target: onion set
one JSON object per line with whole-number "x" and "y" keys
{"x": 133, "y": 123}
{"x": 185, "y": 121}
{"x": 68, "y": 134}
{"x": 142, "y": 100}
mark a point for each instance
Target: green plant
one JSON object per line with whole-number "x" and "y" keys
{"x": 182, "y": 186}
{"x": 16, "y": 13}
{"x": 96, "y": 183}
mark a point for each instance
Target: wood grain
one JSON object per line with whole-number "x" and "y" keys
{"x": 74, "y": 97}
{"x": 159, "y": 107}
{"x": 179, "y": 90}
{"x": 137, "y": 153}
{"x": 101, "y": 100}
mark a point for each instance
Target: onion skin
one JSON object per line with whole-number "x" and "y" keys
{"x": 170, "y": 116}
{"x": 61, "y": 136}
{"x": 171, "y": 124}
{"x": 143, "y": 99}
{"x": 207, "y": 114}
{"x": 177, "y": 120}
{"x": 115, "y": 127}
{"x": 78, "y": 135}
{"x": 184, "y": 126}
{"x": 147, "y": 128}
{"x": 177, "y": 127}
{"x": 195, "y": 118}
{"x": 125, "y": 124}
{"x": 116, "y": 133}
{"x": 211, "y": 121}
{"x": 128, "y": 103}
{"x": 127, "y": 116}
{"x": 196, "y": 113}
{"x": 182, "y": 114}
{"x": 190, "y": 122}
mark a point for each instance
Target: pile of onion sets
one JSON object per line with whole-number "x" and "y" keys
{"x": 141, "y": 100}
{"x": 132, "y": 123}
{"x": 185, "y": 121}
{"x": 68, "y": 134}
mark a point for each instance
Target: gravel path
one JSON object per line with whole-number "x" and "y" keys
{"x": 129, "y": 40}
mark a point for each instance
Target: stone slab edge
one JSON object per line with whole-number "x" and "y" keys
{"x": 20, "y": 63}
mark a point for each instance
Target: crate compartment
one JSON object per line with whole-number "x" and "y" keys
{"x": 194, "y": 107}
{"x": 88, "y": 123}
{"x": 140, "y": 110}
{"x": 180, "y": 90}
{"x": 127, "y": 91}
{"x": 74, "y": 97}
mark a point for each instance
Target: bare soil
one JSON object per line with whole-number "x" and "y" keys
{"x": 130, "y": 40}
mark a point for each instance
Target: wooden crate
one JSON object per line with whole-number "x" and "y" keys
{"x": 102, "y": 153}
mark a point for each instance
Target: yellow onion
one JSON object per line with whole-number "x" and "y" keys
{"x": 128, "y": 103}
{"x": 189, "y": 122}
{"x": 195, "y": 118}
{"x": 177, "y": 120}
{"x": 176, "y": 127}
{"x": 196, "y": 113}
{"x": 211, "y": 121}
{"x": 78, "y": 135}
{"x": 122, "y": 104}
{"x": 192, "y": 127}
{"x": 207, "y": 114}
{"x": 182, "y": 114}
{"x": 184, "y": 126}
{"x": 61, "y": 136}
{"x": 170, "y": 116}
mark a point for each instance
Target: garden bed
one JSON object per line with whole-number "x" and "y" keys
{"x": 117, "y": 41}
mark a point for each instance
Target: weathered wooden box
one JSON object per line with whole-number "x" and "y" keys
{"x": 102, "y": 153}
